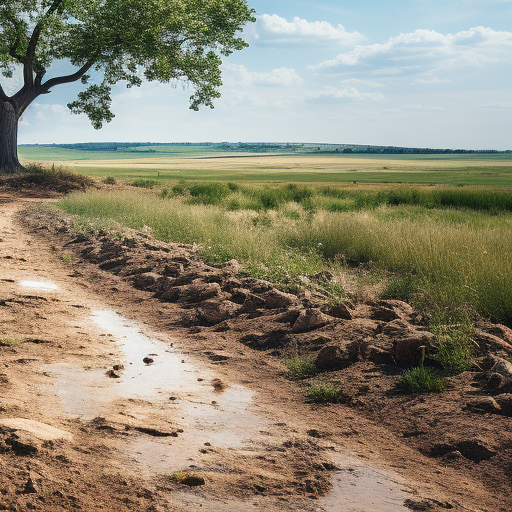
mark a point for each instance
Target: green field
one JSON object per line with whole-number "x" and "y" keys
{"x": 173, "y": 163}
{"x": 445, "y": 249}
{"x": 434, "y": 230}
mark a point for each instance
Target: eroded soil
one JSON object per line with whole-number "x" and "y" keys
{"x": 135, "y": 377}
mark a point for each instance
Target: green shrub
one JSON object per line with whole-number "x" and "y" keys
{"x": 324, "y": 393}
{"x": 109, "y": 180}
{"x": 299, "y": 369}
{"x": 144, "y": 183}
{"x": 422, "y": 380}
{"x": 208, "y": 193}
{"x": 179, "y": 190}
{"x": 455, "y": 346}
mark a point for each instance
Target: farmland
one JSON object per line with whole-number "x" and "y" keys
{"x": 430, "y": 229}
{"x": 172, "y": 163}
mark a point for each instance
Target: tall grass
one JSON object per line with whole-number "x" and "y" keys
{"x": 455, "y": 264}
{"x": 443, "y": 258}
{"x": 343, "y": 198}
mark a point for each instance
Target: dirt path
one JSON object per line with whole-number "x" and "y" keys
{"x": 106, "y": 405}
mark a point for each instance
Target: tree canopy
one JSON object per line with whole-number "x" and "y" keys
{"x": 108, "y": 41}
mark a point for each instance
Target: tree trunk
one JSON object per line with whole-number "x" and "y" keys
{"x": 9, "y": 162}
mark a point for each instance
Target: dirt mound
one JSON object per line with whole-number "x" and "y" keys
{"x": 37, "y": 181}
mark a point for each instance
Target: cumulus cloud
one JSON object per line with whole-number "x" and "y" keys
{"x": 476, "y": 46}
{"x": 277, "y": 77}
{"x": 335, "y": 95}
{"x": 275, "y": 29}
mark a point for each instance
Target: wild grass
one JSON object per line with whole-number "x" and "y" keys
{"x": 299, "y": 369}
{"x": 441, "y": 258}
{"x": 422, "y": 379}
{"x": 323, "y": 393}
{"x": 454, "y": 339}
{"x": 144, "y": 183}
{"x": 40, "y": 178}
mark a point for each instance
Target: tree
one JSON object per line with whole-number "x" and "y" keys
{"x": 108, "y": 41}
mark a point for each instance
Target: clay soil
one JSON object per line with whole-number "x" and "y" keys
{"x": 451, "y": 450}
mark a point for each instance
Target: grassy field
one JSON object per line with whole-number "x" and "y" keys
{"x": 434, "y": 230}
{"x": 172, "y": 163}
{"x": 445, "y": 249}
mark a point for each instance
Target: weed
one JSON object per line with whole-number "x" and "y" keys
{"x": 69, "y": 259}
{"x": 299, "y": 369}
{"x": 403, "y": 287}
{"x": 109, "y": 180}
{"x": 97, "y": 227}
{"x": 455, "y": 345}
{"x": 10, "y": 342}
{"x": 180, "y": 477}
{"x": 324, "y": 393}
{"x": 422, "y": 380}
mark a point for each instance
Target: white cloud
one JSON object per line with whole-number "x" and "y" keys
{"x": 414, "y": 108}
{"x": 501, "y": 105}
{"x": 274, "y": 28}
{"x": 42, "y": 110}
{"x": 335, "y": 95}
{"x": 476, "y": 46}
{"x": 430, "y": 79}
{"x": 237, "y": 98}
{"x": 366, "y": 83}
{"x": 277, "y": 77}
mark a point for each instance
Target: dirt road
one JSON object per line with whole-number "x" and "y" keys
{"x": 107, "y": 405}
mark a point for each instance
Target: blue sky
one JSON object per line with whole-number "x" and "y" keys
{"x": 423, "y": 73}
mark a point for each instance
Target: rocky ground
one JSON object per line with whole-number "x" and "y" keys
{"x": 433, "y": 451}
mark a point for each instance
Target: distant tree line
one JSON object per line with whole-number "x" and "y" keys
{"x": 265, "y": 147}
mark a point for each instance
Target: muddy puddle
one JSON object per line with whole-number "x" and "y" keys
{"x": 154, "y": 380}
{"x": 179, "y": 392}
{"x": 361, "y": 488}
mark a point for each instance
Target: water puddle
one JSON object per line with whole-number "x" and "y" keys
{"x": 156, "y": 372}
{"x": 361, "y": 488}
{"x": 46, "y": 286}
{"x": 180, "y": 391}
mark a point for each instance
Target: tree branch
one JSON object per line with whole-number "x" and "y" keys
{"x": 31, "y": 48}
{"x": 68, "y": 78}
{"x": 3, "y": 96}
{"x": 28, "y": 60}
